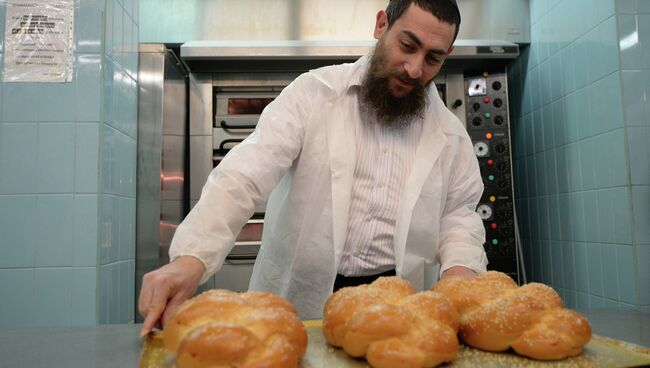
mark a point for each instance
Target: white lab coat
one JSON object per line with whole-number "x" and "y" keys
{"x": 302, "y": 158}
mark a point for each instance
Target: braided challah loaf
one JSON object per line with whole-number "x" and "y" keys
{"x": 221, "y": 328}
{"x": 392, "y": 325}
{"x": 496, "y": 314}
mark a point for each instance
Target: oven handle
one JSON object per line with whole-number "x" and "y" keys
{"x": 242, "y": 257}
{"x": 245, "y": 257}
{"x": 225, "y": 125}
{"x": 222, "y": 150}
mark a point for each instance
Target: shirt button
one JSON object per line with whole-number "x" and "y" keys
{"x": 381, "y": 185}
{"x": 356, "y": 254}
{"x": 385, "y": 150}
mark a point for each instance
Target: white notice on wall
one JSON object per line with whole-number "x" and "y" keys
{"x": 38, "y": 41}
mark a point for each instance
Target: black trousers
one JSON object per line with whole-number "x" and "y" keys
{"x": 343, "y": 281}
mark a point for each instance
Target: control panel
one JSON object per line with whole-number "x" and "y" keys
{"x": 488, "y": 124}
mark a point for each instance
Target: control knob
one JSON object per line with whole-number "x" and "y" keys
{"x": 484, "y": 211}
{"x": 481, "y": 149}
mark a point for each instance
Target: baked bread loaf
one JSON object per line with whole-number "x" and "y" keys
{"x": 496, "y": 314}
{"x": 392, "y": 325}
{"x": 221, "y": 328}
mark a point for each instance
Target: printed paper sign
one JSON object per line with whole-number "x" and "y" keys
{"x": 39, "y": 41}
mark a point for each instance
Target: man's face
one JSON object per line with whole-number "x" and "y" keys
{"x": 407, "y": 58}
{"x": 414, "y": 48}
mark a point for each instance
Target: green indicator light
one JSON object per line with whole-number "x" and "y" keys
{"x": 495, "y": 242}
{"x": 491, "y": 178}
{"x": 488, "y": 115}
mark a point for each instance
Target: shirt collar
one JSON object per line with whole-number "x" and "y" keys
{"x": 360, "y": 68}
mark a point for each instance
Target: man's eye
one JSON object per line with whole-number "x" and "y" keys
{"x": 407, "y": 46}
{"x": 432, "y": 60}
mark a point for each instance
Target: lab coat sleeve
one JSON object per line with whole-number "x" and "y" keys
{"x": 461, "y": 229}
{"x": 244, "y": 179}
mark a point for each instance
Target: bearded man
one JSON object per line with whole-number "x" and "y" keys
{"x": 366, "y": 173}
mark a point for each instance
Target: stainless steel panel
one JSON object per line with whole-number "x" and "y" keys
{"x": 180, "y": 21}
{"x": 174, "y": 103}
{"x": 495, "y": 19}
{"x": 258, "y": 56}
{"x": 201, "y": 163}
{"x": 173, "y": 167}
{"x": 252, "y": 81}
{"x": 149, "y": 148}
{"x": 161, "y": 156}
{"x": 323, "y": 50}
{"x": 201, "y": 104}
{"x": 171, "y": 213}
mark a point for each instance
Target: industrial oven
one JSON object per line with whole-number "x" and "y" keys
{"x": 230, "y": 85}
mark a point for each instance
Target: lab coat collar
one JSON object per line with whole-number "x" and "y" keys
{"x": 359, "y": 71}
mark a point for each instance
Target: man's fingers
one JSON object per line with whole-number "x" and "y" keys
{"x": 149, "y": 323}
{"x": 145, "y": 298}
{"x": 154, "y": 309}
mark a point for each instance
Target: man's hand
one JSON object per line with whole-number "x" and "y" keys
{"x": 459, "y": 271}
{"x": 165, "y": 288}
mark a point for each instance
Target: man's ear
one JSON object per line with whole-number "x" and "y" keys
{"x": 451, "y": 49}
{"x": 381, "y": 24}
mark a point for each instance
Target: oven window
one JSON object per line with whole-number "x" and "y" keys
{"x": 245, "y": 106}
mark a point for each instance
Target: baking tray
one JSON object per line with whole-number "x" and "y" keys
{"x": 600, "y": 352}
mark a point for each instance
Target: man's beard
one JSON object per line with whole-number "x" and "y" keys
{"x": 377, "y": 99}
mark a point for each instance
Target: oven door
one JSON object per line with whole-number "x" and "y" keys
{"x": 235, "y": 274}
{"x": 236, "y": 116}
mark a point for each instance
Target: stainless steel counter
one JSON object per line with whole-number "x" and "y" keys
{"x": 119, "y": 345}
{"x": 627, "y": 325}
{"x": 71, "y": 347}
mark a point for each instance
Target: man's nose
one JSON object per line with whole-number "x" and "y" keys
{"x": 413, "y": 67}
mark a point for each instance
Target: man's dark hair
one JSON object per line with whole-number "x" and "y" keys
{"x": 445, "y": 10}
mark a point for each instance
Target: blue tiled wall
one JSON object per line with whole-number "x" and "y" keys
{"x": 634, "y": 40}
{"x": 118, "y": 152}
{"x": 67, "y": 180}
{"x": 581, "y": 159}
